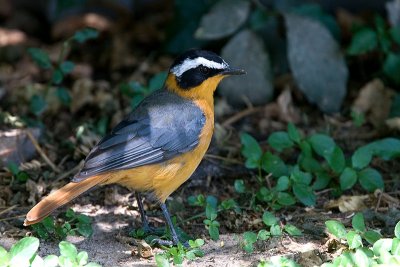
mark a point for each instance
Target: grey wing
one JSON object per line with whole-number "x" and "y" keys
{"x": 162, "y": 127}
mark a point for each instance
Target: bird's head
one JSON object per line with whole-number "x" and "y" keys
{"x": 196, "y": 73}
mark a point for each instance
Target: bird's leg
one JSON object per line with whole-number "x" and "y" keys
{"x": 175, "y": 239}
{"x": 145, "y": 223}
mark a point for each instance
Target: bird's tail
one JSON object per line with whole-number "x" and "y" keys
{"x": 61, "y": 197}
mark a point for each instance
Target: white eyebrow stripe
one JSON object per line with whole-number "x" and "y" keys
{"x": 188, "y": 64}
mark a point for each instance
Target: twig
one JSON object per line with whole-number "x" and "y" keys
{"x": 11, "y": 218}
{"x": 234, "y": 161}
{"x": 240, "y": 115}
{"x": 8, "y": 209}
{"x": 41, "y": 152}
{"x": 67, "y": 173}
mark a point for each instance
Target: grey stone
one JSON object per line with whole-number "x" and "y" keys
{"x": 317, "y": 63}
{"x": 246, "y": 50}
{"x": 223, "y": 19}
{"x": 393, "y": 12}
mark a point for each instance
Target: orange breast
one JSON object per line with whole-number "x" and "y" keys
{"x": 164, "y": 178}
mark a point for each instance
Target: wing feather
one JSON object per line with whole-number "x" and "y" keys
{"x": 163, "y": 126}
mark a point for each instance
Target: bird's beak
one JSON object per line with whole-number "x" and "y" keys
{"x": 233, "y": 71}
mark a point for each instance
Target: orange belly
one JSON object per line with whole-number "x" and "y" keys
{"x": 164, "y": 178}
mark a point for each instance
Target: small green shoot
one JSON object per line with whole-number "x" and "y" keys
{"x": 179, "y": 253}
{"x": 24, "y": 253}
{"x": 74, "y": 224}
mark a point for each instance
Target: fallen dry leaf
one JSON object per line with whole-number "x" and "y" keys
{"x": 374, "y": 101}
{"x": 348, "y": 203}
{"x": 144, "y": 249}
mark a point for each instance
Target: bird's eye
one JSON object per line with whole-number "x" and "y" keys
{"x": 204, "y": 70}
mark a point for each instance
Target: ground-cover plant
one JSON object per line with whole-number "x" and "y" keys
{"x": 58, "y": 70}
{"x": 382, "y": 39}
{"x": 24, "y": 254}
{"x": 364, "y": 247}
{"x": 320, "y": 163}
{"x": 278, "y": 261}
{"x": 273, "y": 229}
{"x": 137, "y": 91}
{"x": 177, "y": 254}
{"x": 74, "y": 224}
{"x": 212, "y": 208}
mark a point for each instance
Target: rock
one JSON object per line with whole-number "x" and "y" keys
{"x": 393, "y": 12}
{"x": 246, "y": 50}
{"x": 317, "y": 63}
{"x": 16, "y": 147}
{"x": 224, "y": 18}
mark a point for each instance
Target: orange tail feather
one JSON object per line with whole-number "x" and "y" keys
{"x": 61, "y": 197}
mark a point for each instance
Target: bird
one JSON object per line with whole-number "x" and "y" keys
{"x": 157, "y": 146}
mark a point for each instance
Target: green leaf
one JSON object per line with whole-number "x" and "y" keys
{"x": 211, "y": 212}
{"x": 300, "y": 177}
{"x": 57, "y": 77}
{"x": 372, "y": 236}
{"x": 395, "y": 247}
{"x": 213, "y": 230}
{"x": 353, "y": 239}
{"x": 280, "y": 141}
{"x": 157, "y": 81}
{"x": 161, "y": 260}
{"x": 23, "y": 251}
{"x": 250, "y": 147}
{"x": 348, "y": 178}
{"x": 395, "y": 34}
{"x": 382, "y": 245}
{"x": 239, "y": 186}
{"x": 64, "y": 96}
{"x": 397, "y": 230}
{"x": 40, "y": 57}
{"x": 365, "y": 40}
{"x": 292, "y": 230}
{"x": 336, "y": 160}
{"x": 68, "y": 250}
{"x": 67, "y": 67}
{"x": 263, "y": 235}
{"x": 269, "y": 219}
{"x": 275, "y": 230}
{"x": 322, "y": 144}
{"x": 309, "y": 164}
{"x": 282, "y": 184}
{"x": 249, "y": 237}
{"x": 285, "y": 199}
{"x": 85, "y": 229}
{"x": 391, "y": 67}
{"x": 370, "y": 179}
{"x": 4, "y": 257}
{"x": 293, "y": 133}
{"x": 51, "y": 261}
{"x": 336, "y": 228}
{"x": 322, "y": 180}
{"x": 85, "y": 35}
{"x": 358, "y": 222}
{"x": 37, "y": 104}
{"x": 82, "y": 258}
{"x": 273, "y": 164}
{"x": 305, "y": 194}
{"x": 360, "y": 258}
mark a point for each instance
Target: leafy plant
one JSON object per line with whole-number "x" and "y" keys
{"x": 74, "y": 224}
{"x": 210, "y": 204}
{"x": 380, "y": 251}
{"x": 274, "y": 229}
{"x": 320, "y": 163}
{"x": 24, "y": 254}
{"x": 20, "y": 176}
{"x": 382, "y": 39}
{"x": 179, "y": 253}
{"x": 137, "y": 92}
{"x": 278, "y": 261}
{"x": 58, "y": 70}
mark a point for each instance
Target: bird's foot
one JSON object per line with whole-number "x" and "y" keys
{"x": 163, "y": 242}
